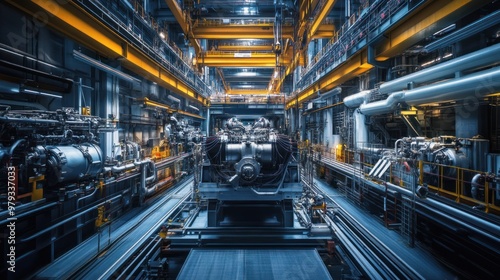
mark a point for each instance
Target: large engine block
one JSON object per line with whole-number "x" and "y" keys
{"x": 256, "y": 158}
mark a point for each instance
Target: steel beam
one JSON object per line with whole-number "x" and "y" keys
{"x": 325, "y": 10}
{"x": 356, "y": 65}
{"x": 246, "y": 31}
{"x": 430, "y": 17}
{"x": 248, "y": 92}
{"x": 251, "y": 48}
{"x": 75, "y": 23}
{"x": 184, "y": 21}
{"x": 240, "y": 59}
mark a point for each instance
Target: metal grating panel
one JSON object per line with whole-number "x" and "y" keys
{"x": 254, "y": 264}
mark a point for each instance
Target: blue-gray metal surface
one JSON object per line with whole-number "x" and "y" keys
{"x": 248, "y": 264}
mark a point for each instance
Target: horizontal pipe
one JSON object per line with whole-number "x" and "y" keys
{"x": 382, "y": 106}
{"x": 478, "y": 58}
{"x": 24, "y": 104}
{"x": 354, "y": 100}
{"x": 474, "y": 86}
{"x": 465, "y": 32}
{"x": 330, "y": 93}
{"x": 76, "y": 215}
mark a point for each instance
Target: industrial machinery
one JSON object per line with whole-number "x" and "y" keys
{"x": 56, "y": 150}
{"x": 249, "y": 167}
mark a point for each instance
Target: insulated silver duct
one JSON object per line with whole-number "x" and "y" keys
{"x": 475, "y": 85}
{"x": 479, "y": 58}
{"x": 383, "y": 106}
{"x": 360, "y": 131}
{"x": 354, "y": 100}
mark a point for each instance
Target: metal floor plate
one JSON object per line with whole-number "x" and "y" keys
{"x": 233, "y": 264}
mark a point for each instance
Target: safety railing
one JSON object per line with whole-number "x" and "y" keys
{"x": 248, "y": 99}
{"x": 462, "y": 185}
{"x": 353, "y": 35}
{"x": 239, "y": 22}
{"x": 144, "y": 32}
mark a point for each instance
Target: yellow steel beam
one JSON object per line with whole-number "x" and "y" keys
{"x": 77, "y": 24}
{"x": 189, "y": 114}
{"x": 304, "y": 10}
{"x": 227, "y": 88}
{"x": 146, "y": 102}
{"x": 324, "y": 31}
{"x": 429, "y": 18}
{"x": 356, "y": 65}
{"x": 321, "y": 16}
{"x": 248, "y": 92}
{"x": 237, "y": 59}
{"x": 184, "y": 20}
{"x": 245, "y": 48}
{"x": 247, "y": 31}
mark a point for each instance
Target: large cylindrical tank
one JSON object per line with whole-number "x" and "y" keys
{"x": 72, "y": 163}
{"x": 493, "y": 161}
{"x": 479, "y": 150}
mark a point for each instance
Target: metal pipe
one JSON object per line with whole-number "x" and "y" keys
{"x": 85, "y": 197}
{"x": 25, "y": 104}
{"x": 19, "y": 120}
{"x": 360, "y": 131}
{"x": 459, "y": 216}
{"x": 396, "y": 145}
{"x": 14, "y": 146}
{"x": 382, "y": 106}
{"x": 122, "y": 168}
{"x": 354, "y": 100}
{"x": 39, "y": 233}
{"x": 478, "y": 58}
{"x": 330, "y": 93}
{"x": 474, "y": 85}
{"x": 480, "y": 84}
{"x": 469, "y": 30}
{"x": 476, "y": 184}
{"x": 30, "y": 212}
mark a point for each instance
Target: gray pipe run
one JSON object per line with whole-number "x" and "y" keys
{"x": 143, "y": 164}
{"x": 474, "y": 86}
{"x": 360, "y": 131}
{"x": 478, "y": 58}
{"x": 354, "y": 100}
{"x": 456, "y": 215}
{"x": 330, "y": 93}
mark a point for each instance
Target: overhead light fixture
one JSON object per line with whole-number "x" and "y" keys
{"x": 445, "y": 30}
{"x": 162, "y": 35}
{"x": 246, "y": 74}
{"x": 36, "y": 92}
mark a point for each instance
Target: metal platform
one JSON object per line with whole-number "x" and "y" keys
{"x": 228, "y": 264}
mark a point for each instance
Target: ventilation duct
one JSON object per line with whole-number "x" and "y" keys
{"x": 476, "y": 59}
{"x": 476, "y": 85}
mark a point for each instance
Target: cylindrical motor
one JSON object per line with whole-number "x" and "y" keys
{"x": 261, "y": 152}
{"x": 71, "y": 163}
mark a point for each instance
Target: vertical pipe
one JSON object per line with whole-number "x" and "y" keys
{"x": 80, "y": 94}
